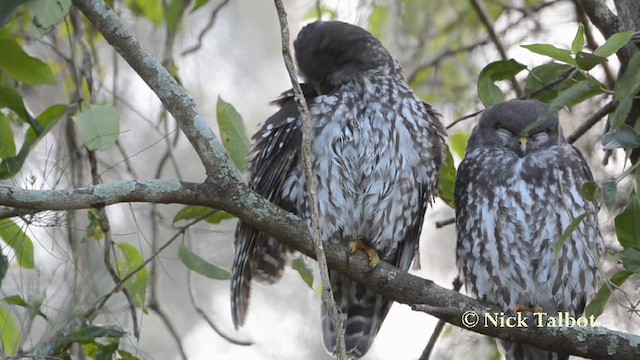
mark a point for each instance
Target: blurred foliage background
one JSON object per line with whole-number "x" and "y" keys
{"x": 147, "y": 281}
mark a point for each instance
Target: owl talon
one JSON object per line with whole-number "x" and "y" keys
{"x": 371, "y": 253}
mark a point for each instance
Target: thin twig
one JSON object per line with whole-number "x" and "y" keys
{"x": 591, "y": 121}
{"x": 9, "y": 212}
{"x": 442, "y": 55}
{"x": 90, "y": 313}
{"x": 153, "y": 305}
{"x": 468, "y": 116}
{"x": 205, "y": 30}
{"x": 212, "y": 325}
{"x": 105, "y": 226}
{"x": 426, "y": 353}
{"x": 312, "y": 201}
{"x": 481, "y": 10}
{"x": 569, "y": 73}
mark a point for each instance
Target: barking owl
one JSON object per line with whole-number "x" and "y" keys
{"x": 376, "y": 154}
{"x": 517, "y": 191}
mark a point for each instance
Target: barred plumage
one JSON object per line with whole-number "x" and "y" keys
{"x": 516, "y": 193}
{"x": 376, "y": 153}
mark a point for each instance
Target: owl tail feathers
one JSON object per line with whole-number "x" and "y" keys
{"x": 241, "y": 275}
{"x": 257, "y": 257}
{"x": 364, "y": 311}
{"x": 516, "y": 351}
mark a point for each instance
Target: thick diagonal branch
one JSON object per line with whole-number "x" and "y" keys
{"x": 588, "y": 342}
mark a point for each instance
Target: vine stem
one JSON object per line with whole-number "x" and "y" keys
{"x": 312, "y": 201}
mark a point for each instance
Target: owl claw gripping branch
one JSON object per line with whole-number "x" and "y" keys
{"x": 371, "y": 252}
{"x": 376, "y": 154}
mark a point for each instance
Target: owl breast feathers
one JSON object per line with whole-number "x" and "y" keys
{"x": 376, "y": 154}
{"x": 517, "y": 191}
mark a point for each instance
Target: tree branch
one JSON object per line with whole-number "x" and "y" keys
{"x": 591, "y": 121}
{"x": 595, "y": 343}
{"x": 601, "y": 16}
{"x": 483, "y": 14}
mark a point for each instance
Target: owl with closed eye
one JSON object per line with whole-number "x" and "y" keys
{"x": 518, "y": 189}
{"x": 376, "y": 154}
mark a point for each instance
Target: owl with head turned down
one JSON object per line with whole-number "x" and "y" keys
{"x": 518, "y": 189}
{"x": 376, "y": 154}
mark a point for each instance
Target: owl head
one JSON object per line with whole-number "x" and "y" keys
{"x": 509, "y": 125}
{"x": 330, "y": 53}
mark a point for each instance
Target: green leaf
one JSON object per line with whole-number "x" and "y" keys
{"x": 89, "y": 333}
{"x": 318, "y": 12}
{"x": 10, "y": 166}
{"x": 553, "y": 52}
{"x": 619, "y": 116}
{"x": 173, "y": 15}
{"x": 596, "y": 307}
{"x": 94, "y": 228}
{"x": 541, "y": 76}
{"x": 589, "y": 190}
{"x": 613, "y": 44}
{"x": 10, "y": 99}
{"x": 195, "y": 263}
{"x": 138, "y": 283}
{"x": 151, "y": 9}
{"x": 33, "y": 309}
{"x": 488, "y": 92}
{"x": 630, "y": 259}
{"x": 98, "y": 351}
{"x": 305, "y": 273}
{"x": 46, "y": 14}
{"x": 581, "y": 91}
{"x": 7, "y": 7}
{"x": 586, "y": 61}
{"x": 4, "y": 267}
{"x": 7, "y": 145}
{"x": 20, "y": 66}
{"x": 378, "y": 20}
{"x": 9, "y": 333}
{"x": 623, "y": 137}
{"x": 447, "y": 179}
{"x": 125, "y": 355}
{"x": 578, "y": 42}
{"x": 627, "y": 224}
{"x": 192, "y": 212}
{"x": 99, "y": 126}
{"x": 629, "y": 83}
{"x": 609, "y": 193}
{"x": 233, "y": 134}
{"x": 459, "y": 143}
{"x": 198, "y": 4}
{"x": 627, "y": 87}
{"x": 566, "y": 233}
{"x": 16, "y": 239}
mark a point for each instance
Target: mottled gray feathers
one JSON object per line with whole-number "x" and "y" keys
{"x": 516, "y": 192}
{"x": 376, "y": 154}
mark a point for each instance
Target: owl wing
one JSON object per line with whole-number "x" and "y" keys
{"x": 575, "y": 280}
{"x": 275, "y": 152}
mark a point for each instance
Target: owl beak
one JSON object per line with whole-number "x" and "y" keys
{"x": 523, "y": 144}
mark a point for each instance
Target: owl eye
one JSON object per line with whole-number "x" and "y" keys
{"x": 540, "y": 137}
{"x": 504, "y": 134}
